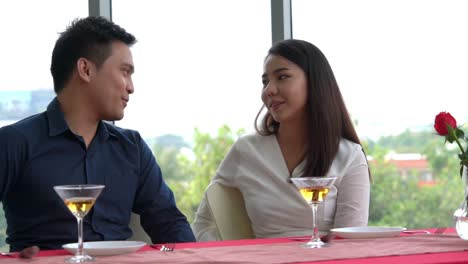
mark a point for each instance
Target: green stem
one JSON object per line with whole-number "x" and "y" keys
{"x": 453, "y": 134}
{"x": 461, "y": 147}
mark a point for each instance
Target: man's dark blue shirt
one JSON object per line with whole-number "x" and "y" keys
{"x": 41, "y": 151}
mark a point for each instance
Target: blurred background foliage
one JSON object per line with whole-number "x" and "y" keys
{"x": 395, "y": 200}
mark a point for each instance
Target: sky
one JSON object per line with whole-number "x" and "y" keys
{"x": 199, "y": 63}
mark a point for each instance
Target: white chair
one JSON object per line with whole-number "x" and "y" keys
{"x": 139, "y": 233}
{"x": 228, "y": 210}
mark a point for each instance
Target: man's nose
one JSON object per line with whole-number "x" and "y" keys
{"x": 130, "y": 87}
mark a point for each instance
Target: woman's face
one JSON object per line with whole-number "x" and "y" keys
{"x": 284, "y": 90}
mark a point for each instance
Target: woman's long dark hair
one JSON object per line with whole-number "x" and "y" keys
{"x": 329, "y": 120}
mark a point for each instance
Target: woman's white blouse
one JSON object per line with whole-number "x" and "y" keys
{"x": 255, "y": 165}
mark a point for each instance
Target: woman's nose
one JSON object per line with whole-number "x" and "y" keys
{"x": 271, "y": 89}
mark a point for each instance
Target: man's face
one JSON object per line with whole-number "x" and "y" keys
{"x": 112, "y": 83}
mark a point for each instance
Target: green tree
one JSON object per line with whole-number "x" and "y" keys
{"x": 394, "y": 201}
{"x": 404, "y": 202}
{"x": 167, "y": 150}
{"x": 167, "y": 158}
{"x": 208, "y": 151}
{"x": 3, "y": 245}
{"x": 408, "y": 141}
{"x": 398, "y": 202}
{"x": 439, "y": 156}
{"x": 171, "y": 140}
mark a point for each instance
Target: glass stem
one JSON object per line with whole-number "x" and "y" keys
{"x": 465, "y": 202}
{"x": 79, "y": 250}
{"x": 315, "y": 236}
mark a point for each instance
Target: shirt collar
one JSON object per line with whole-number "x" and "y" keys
{"x": 58, "y": 125}
{"x": 103, "y": 130}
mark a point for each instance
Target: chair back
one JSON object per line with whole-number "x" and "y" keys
{"x": 139, "y": 233}
{"x": 228, "y": 210}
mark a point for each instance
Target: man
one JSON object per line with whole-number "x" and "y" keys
{"x": 69, "y": 143}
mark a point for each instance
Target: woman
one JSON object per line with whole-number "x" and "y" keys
{"x": 306, "y": 131}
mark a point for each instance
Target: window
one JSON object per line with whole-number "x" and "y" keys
{"x": 198, "y": 64}
{"x": 28, "y": 38}
{"x": 398, "y": 64}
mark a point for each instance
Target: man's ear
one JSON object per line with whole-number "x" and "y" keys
{"x": 85, "y": 69}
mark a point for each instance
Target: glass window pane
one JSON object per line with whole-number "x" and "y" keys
{"x": 198, "y": 65}
{"x": 398, "y": 64}
{"x": 28, "y": 37}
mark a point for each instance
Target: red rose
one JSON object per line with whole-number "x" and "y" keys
{"x": 446, "y": 126}
{"x": 442, "y": 120}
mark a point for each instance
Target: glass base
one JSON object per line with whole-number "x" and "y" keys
{"x": 315, "y": 244}
{"x": 79, "y": 259}
{"x": 462, "y": 227}
{"x": 461, "y": 220}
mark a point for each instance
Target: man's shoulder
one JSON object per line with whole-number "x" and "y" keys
{"x": 125, "y": 134}
{"x": 28, "y": 127}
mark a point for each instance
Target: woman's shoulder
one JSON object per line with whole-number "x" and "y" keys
{"x": 347, "y": 146}
{"x": 247, "y": 151}
{"x": 349, "y": 154}
{"x": 255, "y": 140}
{"x": 349, "y": 151}
{"x": 254, "y": 144}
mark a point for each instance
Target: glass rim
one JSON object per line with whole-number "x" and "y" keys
{"x": 314, "y": 177}
{"x": 79, "y": 186}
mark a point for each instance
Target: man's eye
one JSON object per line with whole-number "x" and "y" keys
{"x": 265, "y": 83}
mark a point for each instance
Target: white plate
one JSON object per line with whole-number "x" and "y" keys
{"x": 368, "y": 231}
{"x": 106, "y": 248}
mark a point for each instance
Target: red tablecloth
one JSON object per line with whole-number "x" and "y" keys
{"x": 287, "y": 250}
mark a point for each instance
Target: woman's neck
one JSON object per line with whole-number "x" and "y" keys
{"x": 293, "y": 141}
{"x": 293, "y": 133}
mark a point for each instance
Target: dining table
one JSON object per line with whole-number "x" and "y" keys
{"x": 410, "y": 247}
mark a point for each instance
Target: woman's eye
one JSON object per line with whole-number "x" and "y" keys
{"x": 265, "y": 83}
{"x": 282, "y": 77}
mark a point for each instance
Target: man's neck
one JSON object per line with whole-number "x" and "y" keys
{"x": 79, "y": 115}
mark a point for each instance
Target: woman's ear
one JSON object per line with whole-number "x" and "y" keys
{"x": 85, "y": 69}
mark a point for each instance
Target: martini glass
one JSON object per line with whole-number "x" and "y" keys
{"x": 79, "y": 199}
{"x": 314, "y": 190}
